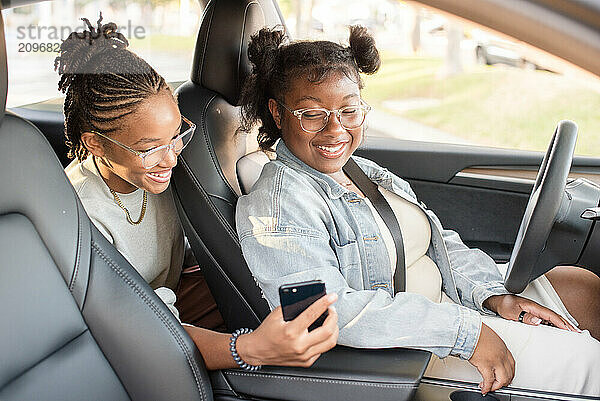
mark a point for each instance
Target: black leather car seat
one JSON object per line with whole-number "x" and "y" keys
{"x": 218, "y": 165}
{"x": 206, "y": 180}
{"x": 78, "y": 322}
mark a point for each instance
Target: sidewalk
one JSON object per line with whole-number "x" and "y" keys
{"x": 384, "y": 124}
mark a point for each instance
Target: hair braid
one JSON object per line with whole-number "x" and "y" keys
{"x": 102, "y": 80}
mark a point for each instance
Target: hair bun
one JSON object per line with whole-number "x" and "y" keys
{"x": 80, "y": 47}
{"x": 263, "y": 44}
{"x": 362, "y": 46}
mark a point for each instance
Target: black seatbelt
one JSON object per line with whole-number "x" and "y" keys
{"x": 369, "y": 188}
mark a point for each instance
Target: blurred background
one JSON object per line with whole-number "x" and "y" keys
{"x": 442, "y": 79}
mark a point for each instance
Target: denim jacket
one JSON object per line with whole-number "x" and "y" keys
{"x": 299, "y": 224}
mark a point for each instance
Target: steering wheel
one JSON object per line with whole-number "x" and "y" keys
{"x": 542, "y": 208}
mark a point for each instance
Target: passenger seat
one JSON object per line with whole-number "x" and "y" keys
{"x": 78, "y": 322}
{"x": 207, "y": 179}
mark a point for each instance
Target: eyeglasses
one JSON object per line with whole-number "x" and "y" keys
{"x": 152, "y": 157}
{"x": 313, "y": 120}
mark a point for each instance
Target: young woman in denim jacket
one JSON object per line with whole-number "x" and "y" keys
{"x": 305, "y": 219}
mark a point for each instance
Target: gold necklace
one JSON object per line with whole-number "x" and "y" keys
{"x": 122, "y": 206}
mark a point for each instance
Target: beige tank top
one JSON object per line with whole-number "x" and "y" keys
{"x": 422, "y": 275}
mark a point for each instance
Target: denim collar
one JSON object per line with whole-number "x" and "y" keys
{"x": 331, "y": 187}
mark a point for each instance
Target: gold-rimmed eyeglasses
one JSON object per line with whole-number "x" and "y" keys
{"x": 315, "y": 119}
{"x": 152, "y": 157}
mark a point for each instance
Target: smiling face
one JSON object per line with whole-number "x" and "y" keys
{"x": 328, "y": 150}
{"x": 155, "y": 122}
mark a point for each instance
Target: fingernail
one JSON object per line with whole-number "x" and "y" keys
{"x": 536, "y": 320}
{"x": 332, "y": 297}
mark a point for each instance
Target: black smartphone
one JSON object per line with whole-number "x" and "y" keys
{"x": 296, "y": 297}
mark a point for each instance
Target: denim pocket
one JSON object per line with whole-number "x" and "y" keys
{"x": 349, "y": 259}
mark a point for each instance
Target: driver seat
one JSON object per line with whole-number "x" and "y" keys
{"x": 78, "y": 322}
{"x": 206, "y": 181}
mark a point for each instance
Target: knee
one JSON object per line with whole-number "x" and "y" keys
{"x": 577, "y": 287}
{"x": 592, "y": 283}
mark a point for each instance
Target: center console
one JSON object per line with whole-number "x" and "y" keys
{"x": 341, "y": 374}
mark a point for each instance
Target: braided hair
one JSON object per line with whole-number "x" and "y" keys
{"x": 276, "y": 62}
{"x": 102, "y": 82}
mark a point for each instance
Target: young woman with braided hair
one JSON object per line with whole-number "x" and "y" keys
{"x": 124, "y": 129}
{"x": 305, "y": 218}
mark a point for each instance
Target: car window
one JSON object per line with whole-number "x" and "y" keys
{"x": 441, "y": 80}
{"x": 163, "y": 32}
{"x": 445, "y": 80}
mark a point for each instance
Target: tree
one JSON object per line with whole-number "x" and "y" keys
{"x": 303, "y": 10}
{"x": 452, "y": 63}
{"x": 415, "y": 36}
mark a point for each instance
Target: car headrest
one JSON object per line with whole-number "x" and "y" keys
{"x": 221, "y": 57}
{"x": 249, "y": 168}
{"x": 3, "y": 71}
{"x": 34, "y": 185}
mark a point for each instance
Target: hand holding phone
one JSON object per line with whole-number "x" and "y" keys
{"x": 296, "y": 297}
{"x": 288, "y": 343}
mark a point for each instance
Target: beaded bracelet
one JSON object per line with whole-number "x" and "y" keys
{"x": 232, "y": 347}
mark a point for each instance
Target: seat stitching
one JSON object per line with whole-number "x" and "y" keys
{"x": 242, "y": 44}
{"x": 318, "y": 380}
{"x": 156, "y": 311}
{"x": 211, "y": 150}
{"x": 218, "y": 266}
{"x": 78, "y": 256}
{"x": 226, "y": 225}
{"x": 21, "y": 374}
{"x": 137, "y": 290}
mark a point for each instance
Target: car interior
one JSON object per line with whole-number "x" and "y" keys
{"x": 78, "y": 287}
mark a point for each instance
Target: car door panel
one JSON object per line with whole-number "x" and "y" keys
{"x": 479, "y": 192}
{"x": 487, "y": 219}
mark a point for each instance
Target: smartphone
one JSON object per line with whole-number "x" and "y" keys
{"x": 296, "y": 297}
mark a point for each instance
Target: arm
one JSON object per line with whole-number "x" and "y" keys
{"x": 279, "y": 251}
{"x": 275, "y": 341}
{"x": 213, "y": 346}
{"x": 481, "y": 285}
{"x": 511, "y": 306}
{"x": 475, "y": 273}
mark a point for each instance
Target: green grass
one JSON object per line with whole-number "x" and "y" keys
{"x": 494, "y": 106}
